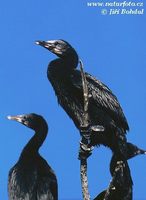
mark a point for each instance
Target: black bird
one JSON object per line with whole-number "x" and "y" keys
{"x": 120, "y": 187}
{"x": 104, "y": 108}
{"x": 121, "y": 184}
{"x": 31, "y": 177}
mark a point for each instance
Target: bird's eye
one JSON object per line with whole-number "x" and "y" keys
{"x": 24, "y": 118}
{"x": 56, "y": 43}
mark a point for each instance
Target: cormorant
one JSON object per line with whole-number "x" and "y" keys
{"x": 120, "y": 187}
{"x": 104, "y": 108}
{"x": 121, "y": 184}
{"x": 31, "y": 177}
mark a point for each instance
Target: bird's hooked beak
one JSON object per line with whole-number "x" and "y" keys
{"x": 18, "y": 118}
{"x": 51, "y": 46}
{"x": 46, "y": 44}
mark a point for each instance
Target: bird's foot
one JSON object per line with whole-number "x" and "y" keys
{"x": 85, "y": 144}
{"x": 97, "y": 128}
{"x": 85, "y": 151}
{"x": 87, "y": 129}
{"x": 86, "y": 147}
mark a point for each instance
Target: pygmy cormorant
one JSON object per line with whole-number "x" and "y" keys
{"x": 32, "y": 178}
{"x": 121, "y": 184}
{"x": 104, "y": 108}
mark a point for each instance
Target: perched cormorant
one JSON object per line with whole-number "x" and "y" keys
{"x": 120, "y": 187}
{"x": 104, "y": 108}
{"x": 31, "y": 177}
{"x": 121, "y": 184}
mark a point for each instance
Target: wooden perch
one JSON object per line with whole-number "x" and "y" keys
{"x": 83, "y": 162}
{"x": 85, "y": 94}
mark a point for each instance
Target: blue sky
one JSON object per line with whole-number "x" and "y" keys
{"x": 112, "y": 48}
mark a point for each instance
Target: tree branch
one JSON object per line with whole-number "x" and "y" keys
{"x": 85, "y": 94}
{"x": 83, "y": 161}
{"x": 84, "y": 179}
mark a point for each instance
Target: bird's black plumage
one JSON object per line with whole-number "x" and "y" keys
{"x": 121, "y": 187}
{"x": 31, "y": 177}
{"x": 122, "y": 182}
{"x": 104, "y": 108}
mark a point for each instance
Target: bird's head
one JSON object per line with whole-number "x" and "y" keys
{"x": 61, "y": 48}
{"x": 33, "y": 121}
{"x": 133, "y": 150}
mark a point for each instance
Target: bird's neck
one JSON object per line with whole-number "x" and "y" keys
{"x": 68, "y": 63}
{"x": 61, "y": 67}
{"x": 32, "y": 147}
{"x": 71, "y": 60}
